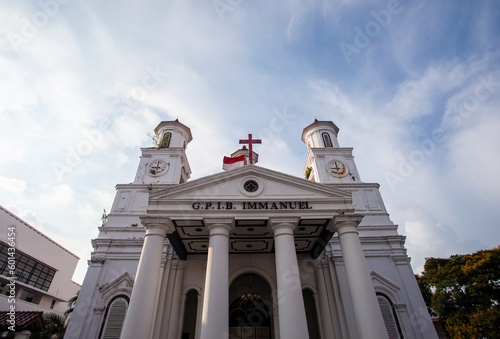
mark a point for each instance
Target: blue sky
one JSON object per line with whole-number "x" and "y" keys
{"x": 413, "y": 86}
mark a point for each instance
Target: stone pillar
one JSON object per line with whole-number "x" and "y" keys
{"x": 138, "y": 322}
{"x": 364, "y": 301}
{"x": 182, "y": 315}
{"x": 174, "y": 316}
{"x": 198, "y": 317}
{"x": 291, "y": 311}
{"x": 167, "y": 311}
{"x": 162, "y": 298}
{"x": 215, "y": 317}
{"x": 325, "y": 319}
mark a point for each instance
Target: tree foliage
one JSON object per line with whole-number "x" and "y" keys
{"x": 465, "y": 291}
{"x": 55, "y": 324}
{"x": 55, "y": 327}
{"x": 71, "y": 305}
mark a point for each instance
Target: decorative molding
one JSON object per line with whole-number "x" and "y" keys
{"x": 121, "y": 285}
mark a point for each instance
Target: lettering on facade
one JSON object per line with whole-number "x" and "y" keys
{"x": 257, "y": 205}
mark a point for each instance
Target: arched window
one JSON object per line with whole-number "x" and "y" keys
{"x": 326, "y": 139}
{"x": 390, "y": 317}
{"x": 113, "y": 318}
{"x": 165, "y": 141}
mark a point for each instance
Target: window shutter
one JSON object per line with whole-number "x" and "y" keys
{"x": 114, "y": 320}
{"x": 388, "y": 315}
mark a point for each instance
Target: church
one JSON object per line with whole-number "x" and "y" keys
{"x": 249, "y": 253}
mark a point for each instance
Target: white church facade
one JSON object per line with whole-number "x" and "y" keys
{"x": 249, "y": 253}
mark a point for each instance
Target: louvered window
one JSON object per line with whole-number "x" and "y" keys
{"x": 390, "y": 319}
{"x": 115, "y": 315}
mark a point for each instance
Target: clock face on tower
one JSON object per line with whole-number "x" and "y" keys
{"x": 158, "y": 167}
{"x": 337, "y": 168}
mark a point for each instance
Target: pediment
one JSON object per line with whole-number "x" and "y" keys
{"x": 122, "y": 283}
{"x": 229, "y": 185}
{"x": 251, "y": 197}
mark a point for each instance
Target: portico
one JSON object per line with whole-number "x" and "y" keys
{"x": 220, "y": 233}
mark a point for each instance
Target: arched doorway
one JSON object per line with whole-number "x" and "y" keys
{"x": 311, "y": 314}
{"x": 250, "y": 308}
{"x": 190, "y": 312}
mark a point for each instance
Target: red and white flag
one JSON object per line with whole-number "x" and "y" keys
{"x": 233, "y": 163}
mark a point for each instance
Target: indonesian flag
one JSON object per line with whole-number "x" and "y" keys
{"x": 233, "y": 163}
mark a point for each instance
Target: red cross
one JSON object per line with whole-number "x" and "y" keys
{"x": 250, "y": 141}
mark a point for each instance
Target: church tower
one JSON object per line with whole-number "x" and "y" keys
{"x": 326, "y": 161}
{"x": 166, "y": 162}
{"x": 245, "y": 152}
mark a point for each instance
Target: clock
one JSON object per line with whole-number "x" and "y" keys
{"x": 158, "y": 167}
{"x": 337, "y": 168}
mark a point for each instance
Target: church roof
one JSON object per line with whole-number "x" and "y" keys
{"x": 175, "y": 123}
{"x": 25, "y": 320}
{"x": 317, "y": 124}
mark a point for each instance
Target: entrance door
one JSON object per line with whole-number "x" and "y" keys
{"x": 249, "y": 333}
{"x": 249, "y": 312}
{"x": 249, "y": 319}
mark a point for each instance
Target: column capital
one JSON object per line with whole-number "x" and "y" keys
{"x": 341, "y": 221}
{"x": 322, "y": 263}
{"x": 215, "y": 225}
{"x": 219, "y": 221}
{"x": 283, "y": 225}
{"x": 157, "y": 224}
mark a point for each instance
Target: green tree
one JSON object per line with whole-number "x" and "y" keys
{"x": 54, "y": 327}
{"x": 55, "y": 324}
{"x": 71, "y": 305}
{"x": 465, "y": 291}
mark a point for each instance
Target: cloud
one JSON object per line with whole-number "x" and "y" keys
{"x": 15, "y": 88}
{"x": 473, "y": 154}
{"x": 29, "y": 216}
{"x": 58, "y": 195}
{"x": 428, "y": 238}
{"x": 267, "y": 68}
{"x": 12, "y": 185}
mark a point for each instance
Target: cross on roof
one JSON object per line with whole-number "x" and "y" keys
{"x": 250, "y": 142}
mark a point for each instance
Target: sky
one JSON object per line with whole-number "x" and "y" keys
{"x": 413, "y": 86}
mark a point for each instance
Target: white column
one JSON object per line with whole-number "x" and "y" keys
{"x": 366, "y": 310}
{"x": 199, "y": 311}
{"x": 165, "y": 319}
{"x": 140, "y": 314}
{"x": 174, "y": 316}
{"x": 325, "y": 313}
{"x": 291, "y": 311}
{"x": 335, "y": 289}
{"x": 182, "y": 314}
{"x": 215, "y": 317}
{"x": 162, "y": 298}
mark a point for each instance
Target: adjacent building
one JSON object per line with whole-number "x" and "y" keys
{"x": 43, "y": 268}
